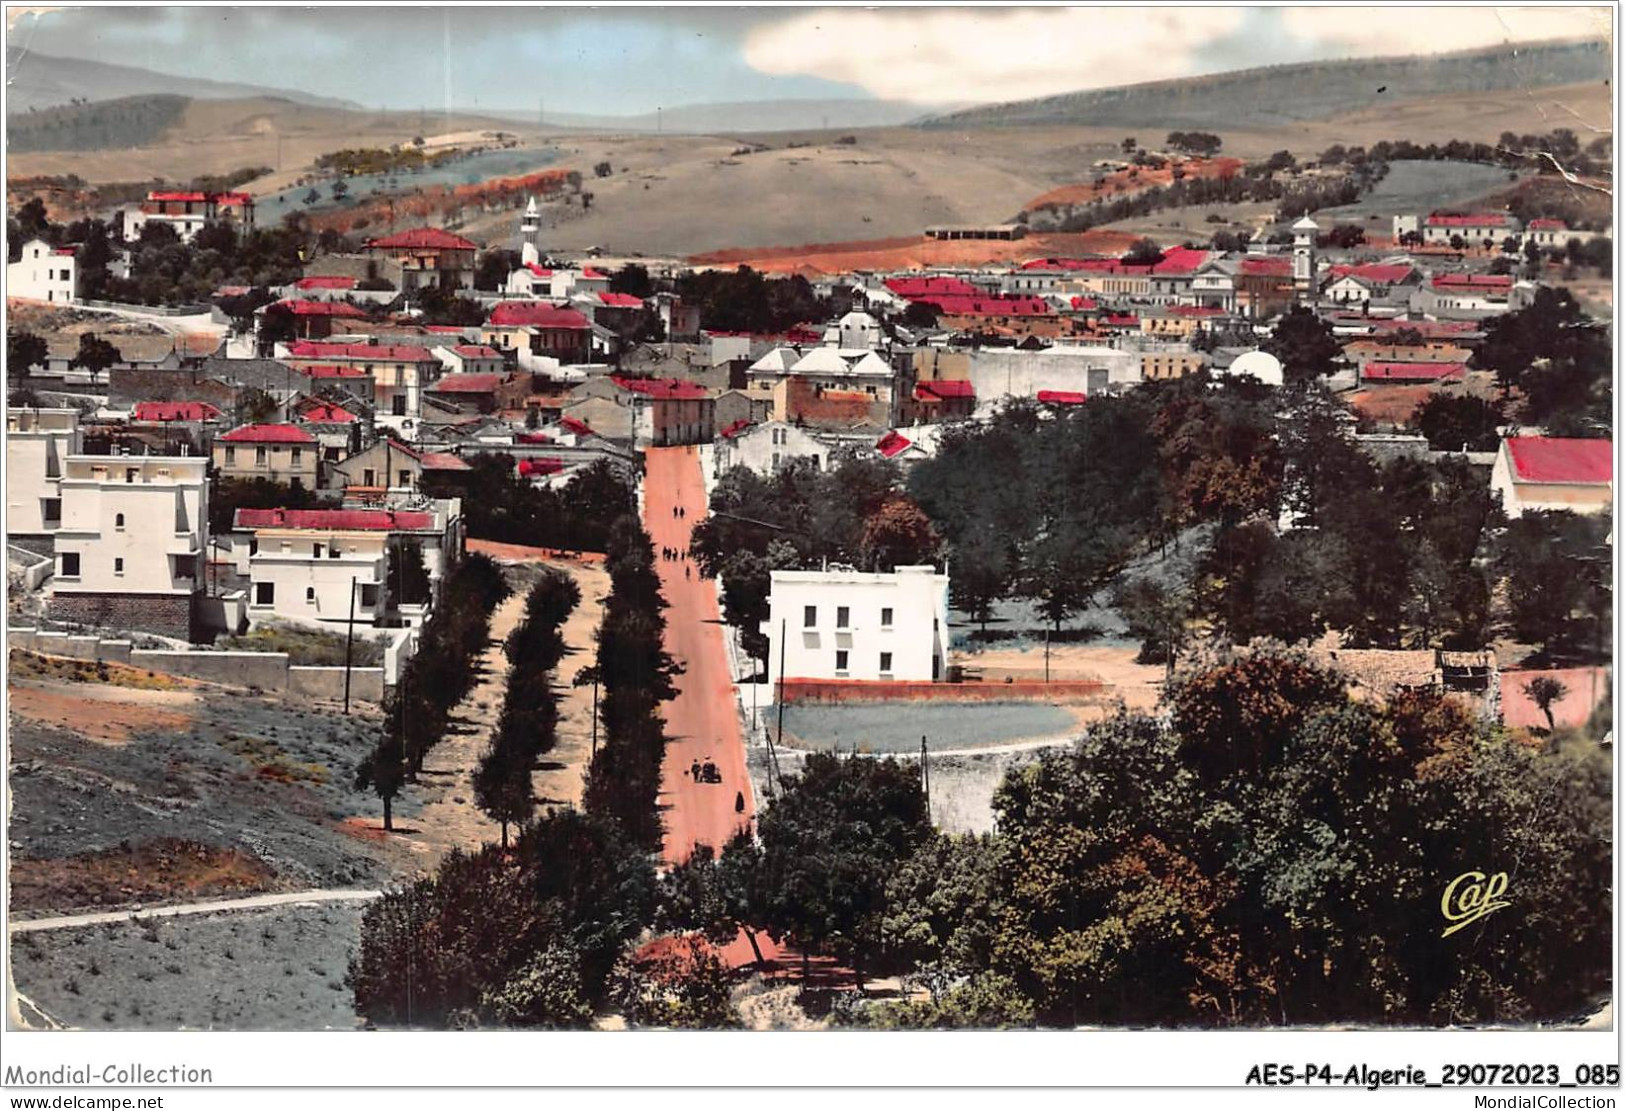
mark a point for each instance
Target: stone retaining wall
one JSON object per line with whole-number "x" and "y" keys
{"x": 898, "y": 690}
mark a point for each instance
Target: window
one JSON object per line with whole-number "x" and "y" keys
{"x": 296, "y": 482}
{"x": 52, "y": 508}
{"x": 118, "y": 521}
{"x": 885, "y": 617}
{"x": 231, "y": 456}
{"x": 253, "y": 545}
{"x": 264, "y": 594}
{"x": 131, "y": 474}
{"x": 369, "y": 477}
{"x": 809, "y": 616}
{"x": 310, "y": 595}
{"x": 70, "y": 565}
{"x": 298, "y": 457}
{"x": 406, "y": 479}
{"x": 843, "y": 616}
{"x": 398, "y": 405}
{"x": 885, "y": 663}
{"x": 333, "y": 552}
{"x": 316, "y": 550}
{"x": 840, "y": 661}
{"x": 369, "y": 595}
{"x": 259, "y": 457}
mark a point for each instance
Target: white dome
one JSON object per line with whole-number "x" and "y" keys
{"x": 1261, "y": 365}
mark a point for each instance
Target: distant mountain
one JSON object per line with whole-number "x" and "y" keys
{"x": 1275, "y": 95}
{"x": 750, "y": 116}
{"x": 36, "y": 81}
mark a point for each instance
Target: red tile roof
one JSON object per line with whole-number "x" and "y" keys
{"x": 1062, "y": 397}
{"x": 468, "y": 383}
{"x": 592, "y": 272}
{"x": 537, "y": 314}
{"x": 942, "y": 390}
{"x": 892, "y": 444}
{"x": 67, "y": 251}
{"x": 423, "y": 238}
{"x": 988, "y": 305}
{"x": 323, "y": 281}
{"x": 665, "y": 389}
{"x": 321, "y": 308}
{"x": 1121, "y": 320}
{"x": 912, "y": 288}
{"x": 1377, "y": 273}
{"x": 268, "y": 434}
{"x": 347, "y": 520}
{"x": 176, "y": 196}
{"x": 1468, "y": 220}
{"x": 543, "y": 465}
{"x": 477, "y": 351}
{"x": 1547, "y": 225}
{"x": 324, "y": 412}
{"x": 734, "y": 429}
{"x": 1551, "y": 459}
{"x": 538, "y": 270}
{"x": 360, "y": 352}
{"x": 1267, "y": 266}
{"x": 176, "y": 410}
{"x": 443, "y": 461}
{"x": 1414, "y": 372}
{"x": 1426, "y": 327}
{"x": 1084, "y": 304}
{"x": 614, "y": 300}
{"x": 332, "y": 370}
{"x": 1194, "y": 310}
{"x": 579, "y": 427}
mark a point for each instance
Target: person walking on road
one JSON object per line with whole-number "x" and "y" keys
{"x": 739, "y": 802}
{"x": 694, "y": 770}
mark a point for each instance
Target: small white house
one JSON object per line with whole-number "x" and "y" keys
{"x": 44, "y": 273}
{"x": 846, "y": 624}
{"x": 1541, "y": 473}
{"x": 768, "y": 448}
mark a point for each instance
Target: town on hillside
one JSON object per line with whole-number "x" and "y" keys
{"x": 1073, "y": 620}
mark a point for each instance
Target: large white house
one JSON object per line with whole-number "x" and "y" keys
{"x": 845, "y": 624}
{"x": 130, "y": 548}
{"x": 314, "y": 565}
{"x": 44, "y": 273}
{"x": 37, "y": 441}
{"x": 769, "y": 447}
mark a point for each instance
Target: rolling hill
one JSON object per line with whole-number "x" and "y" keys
{"x": 1277, "y": 95}
{"x": 35, "y": 81}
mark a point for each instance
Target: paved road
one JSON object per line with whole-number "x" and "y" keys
{"x": 701, "y": 721}
{"x": 252, "y": 902}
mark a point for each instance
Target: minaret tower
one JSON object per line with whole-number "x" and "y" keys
{"x": 530, "y": 234}
{"x": 1303, "y": 261}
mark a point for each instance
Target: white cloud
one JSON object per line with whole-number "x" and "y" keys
{"x": 1367, "y": 31}
{"x": 938, "y": 55}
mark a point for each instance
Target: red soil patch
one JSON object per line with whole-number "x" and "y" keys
{"x": 364, "y": 829}
{"x": 165, "y": 868}
{"x": 524, "y": 553}
{"x": 1389, "y": 405}
{"x": 1126, "y": 183}
{"x": 916, "y": 253}
{"x": 110, "y": 724}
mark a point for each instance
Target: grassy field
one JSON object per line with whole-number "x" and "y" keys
{"x": 676, "y": 195}
{"x": 882, "y": 728}
{"x": 307, "y": 647}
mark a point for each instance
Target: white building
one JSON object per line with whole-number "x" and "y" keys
{"x": 1542, "y": 473}
{"x": 131, "y": 543}
{"x": 844, "y": 624}
{"x": 44, "y": 273}
{"x": 312, "y": 573}
{"x": 768, "y": 448}
{"x": 856, "y": 331}
{"x": 996, "y": 373}
{"x": 37, "y": 441}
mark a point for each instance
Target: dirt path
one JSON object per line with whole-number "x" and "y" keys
{"x": 700, "y": 721}
{"x": 213, "y": 906}
{"x": 449, "y": 818}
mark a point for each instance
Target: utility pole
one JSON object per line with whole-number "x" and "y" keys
{"x": 925, "y": 776}
{"x": 349, "y": 639}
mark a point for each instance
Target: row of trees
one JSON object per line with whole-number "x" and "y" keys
{"x": 438, "y": 677}
{"x": 635, "y": 676}
{"x": 527, "y": 728}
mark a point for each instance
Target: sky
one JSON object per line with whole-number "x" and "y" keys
{"x": 631, "y": 60}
